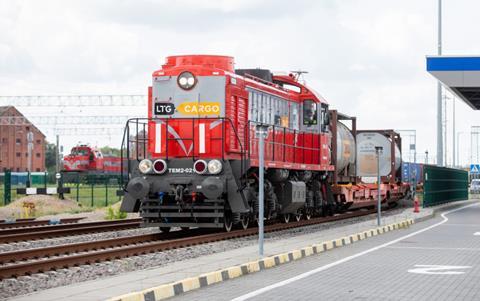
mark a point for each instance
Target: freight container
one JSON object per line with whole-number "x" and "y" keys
{"x": 412, "y": 171}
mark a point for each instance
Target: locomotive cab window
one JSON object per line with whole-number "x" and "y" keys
{"x": 310, "y": 113}
{"x": 324, "y": 117}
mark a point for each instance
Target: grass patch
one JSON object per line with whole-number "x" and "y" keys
{"x": 93, "y": 196}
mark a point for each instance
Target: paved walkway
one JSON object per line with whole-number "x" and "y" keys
{"x": 435, "y": 260}
{"x": 102, "y": 289}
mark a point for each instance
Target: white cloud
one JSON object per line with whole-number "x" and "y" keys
{"x": 366, "y": 57}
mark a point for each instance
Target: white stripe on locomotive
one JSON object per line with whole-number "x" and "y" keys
{"x": 158, "y": 138}
{"x": 201, "y": 134}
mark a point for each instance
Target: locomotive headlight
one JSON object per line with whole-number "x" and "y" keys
{"x": 186, "y": 80}
{"x": 145, "y": 166}
{"x": 214, "y": 167}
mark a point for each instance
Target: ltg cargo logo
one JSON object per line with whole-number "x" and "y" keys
{"x": 199, "y": 108}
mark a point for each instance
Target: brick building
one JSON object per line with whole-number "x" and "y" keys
{"x": 14, "y": 145}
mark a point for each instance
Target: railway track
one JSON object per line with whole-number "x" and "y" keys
{"x": 26, "y": 262}
{"x": 42, "y": 232}
{"x": 18, "y": 220}
{"x": 31, "y": 223}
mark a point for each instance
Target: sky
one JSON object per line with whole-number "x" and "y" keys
{"x": 366, "y": 57}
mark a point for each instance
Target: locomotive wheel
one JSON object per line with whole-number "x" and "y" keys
{"x": 245, "y": 221}
{"x": 227, "y": 222}
{"x": 298, "y": 217}
{"x": 286, "y": 218}
{"x": 165, "y": 229}
{"x": 308, "y": 214}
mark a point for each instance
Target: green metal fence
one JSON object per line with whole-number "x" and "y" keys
{"x": 443, "y": 185}
{"x": 10, "y": 181}
{"x": 86, "y": 190}
{"x": 92, "y": 190}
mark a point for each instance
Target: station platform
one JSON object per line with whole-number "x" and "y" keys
{"x": 102, "y": 289}
{"x": 438, "y": 259}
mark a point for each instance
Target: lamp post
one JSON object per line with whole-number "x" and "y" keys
{"x": 458, "y": 148}
{"x": 453, "y": 133}
{"x": 57, "y": 154}
{"x": 378, "y": 152}
{"x": 474, "y": 131}
{"x": 29, "y": 154}
{"x": 426, "y": 157}
{"x": 262, "y": 133}
{"x": 439, "y": 93}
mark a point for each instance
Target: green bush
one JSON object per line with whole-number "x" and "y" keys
{"x": 120, "y": 214}
{"x": 110, "y": 213}
{"x": 115, "y": 214}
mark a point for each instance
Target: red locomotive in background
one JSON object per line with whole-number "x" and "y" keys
{"x": 84, "y": 158}
{"x": 197, "y": 165}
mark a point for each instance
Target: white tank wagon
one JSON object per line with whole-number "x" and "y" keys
{"x": 390, "y": 158}
{"x": 345, "y": 147}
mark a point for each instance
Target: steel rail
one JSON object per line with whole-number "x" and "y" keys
{"x": 42, "y": 228}
{"x": 82, "y": 228}
{"x": 38, "y": 253}
{"x": 124, "y": 249}
{"x": 24, "y": 224}
{"x": 18, "y": 220}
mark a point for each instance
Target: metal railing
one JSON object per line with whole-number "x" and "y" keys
{"x": 283, "y": 143}
{"x": 140, "y": 142}
{"x": 88, "y": 190}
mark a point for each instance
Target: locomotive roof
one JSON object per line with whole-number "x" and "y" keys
{"x": 224, "y": 65}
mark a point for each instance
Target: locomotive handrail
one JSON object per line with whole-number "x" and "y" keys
{"x": 265, "y": 82}
{"x": 121, "y": 157}
{"x": 284, "y": 129}
{"x": 126, "y": 141}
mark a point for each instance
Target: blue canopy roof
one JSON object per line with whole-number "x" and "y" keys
{"x": 459, "y": 74}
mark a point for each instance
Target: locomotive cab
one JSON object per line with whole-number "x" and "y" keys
{"x": 83, "y": 158}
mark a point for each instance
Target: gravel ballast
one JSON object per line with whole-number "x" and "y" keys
{"x": 42, "y": 243}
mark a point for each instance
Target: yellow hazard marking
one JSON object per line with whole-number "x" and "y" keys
{"x": 163, "y": 291}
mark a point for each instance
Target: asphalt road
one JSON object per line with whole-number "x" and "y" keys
{"x": 438, "y": 259}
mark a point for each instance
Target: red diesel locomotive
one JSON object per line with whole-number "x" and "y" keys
{"x": 197, "y": 165}
{"x": 86, "y": 159}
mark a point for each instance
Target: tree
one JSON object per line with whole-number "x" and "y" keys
{"x": 107, "y": 150}
{"x": 50, "y": 155}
